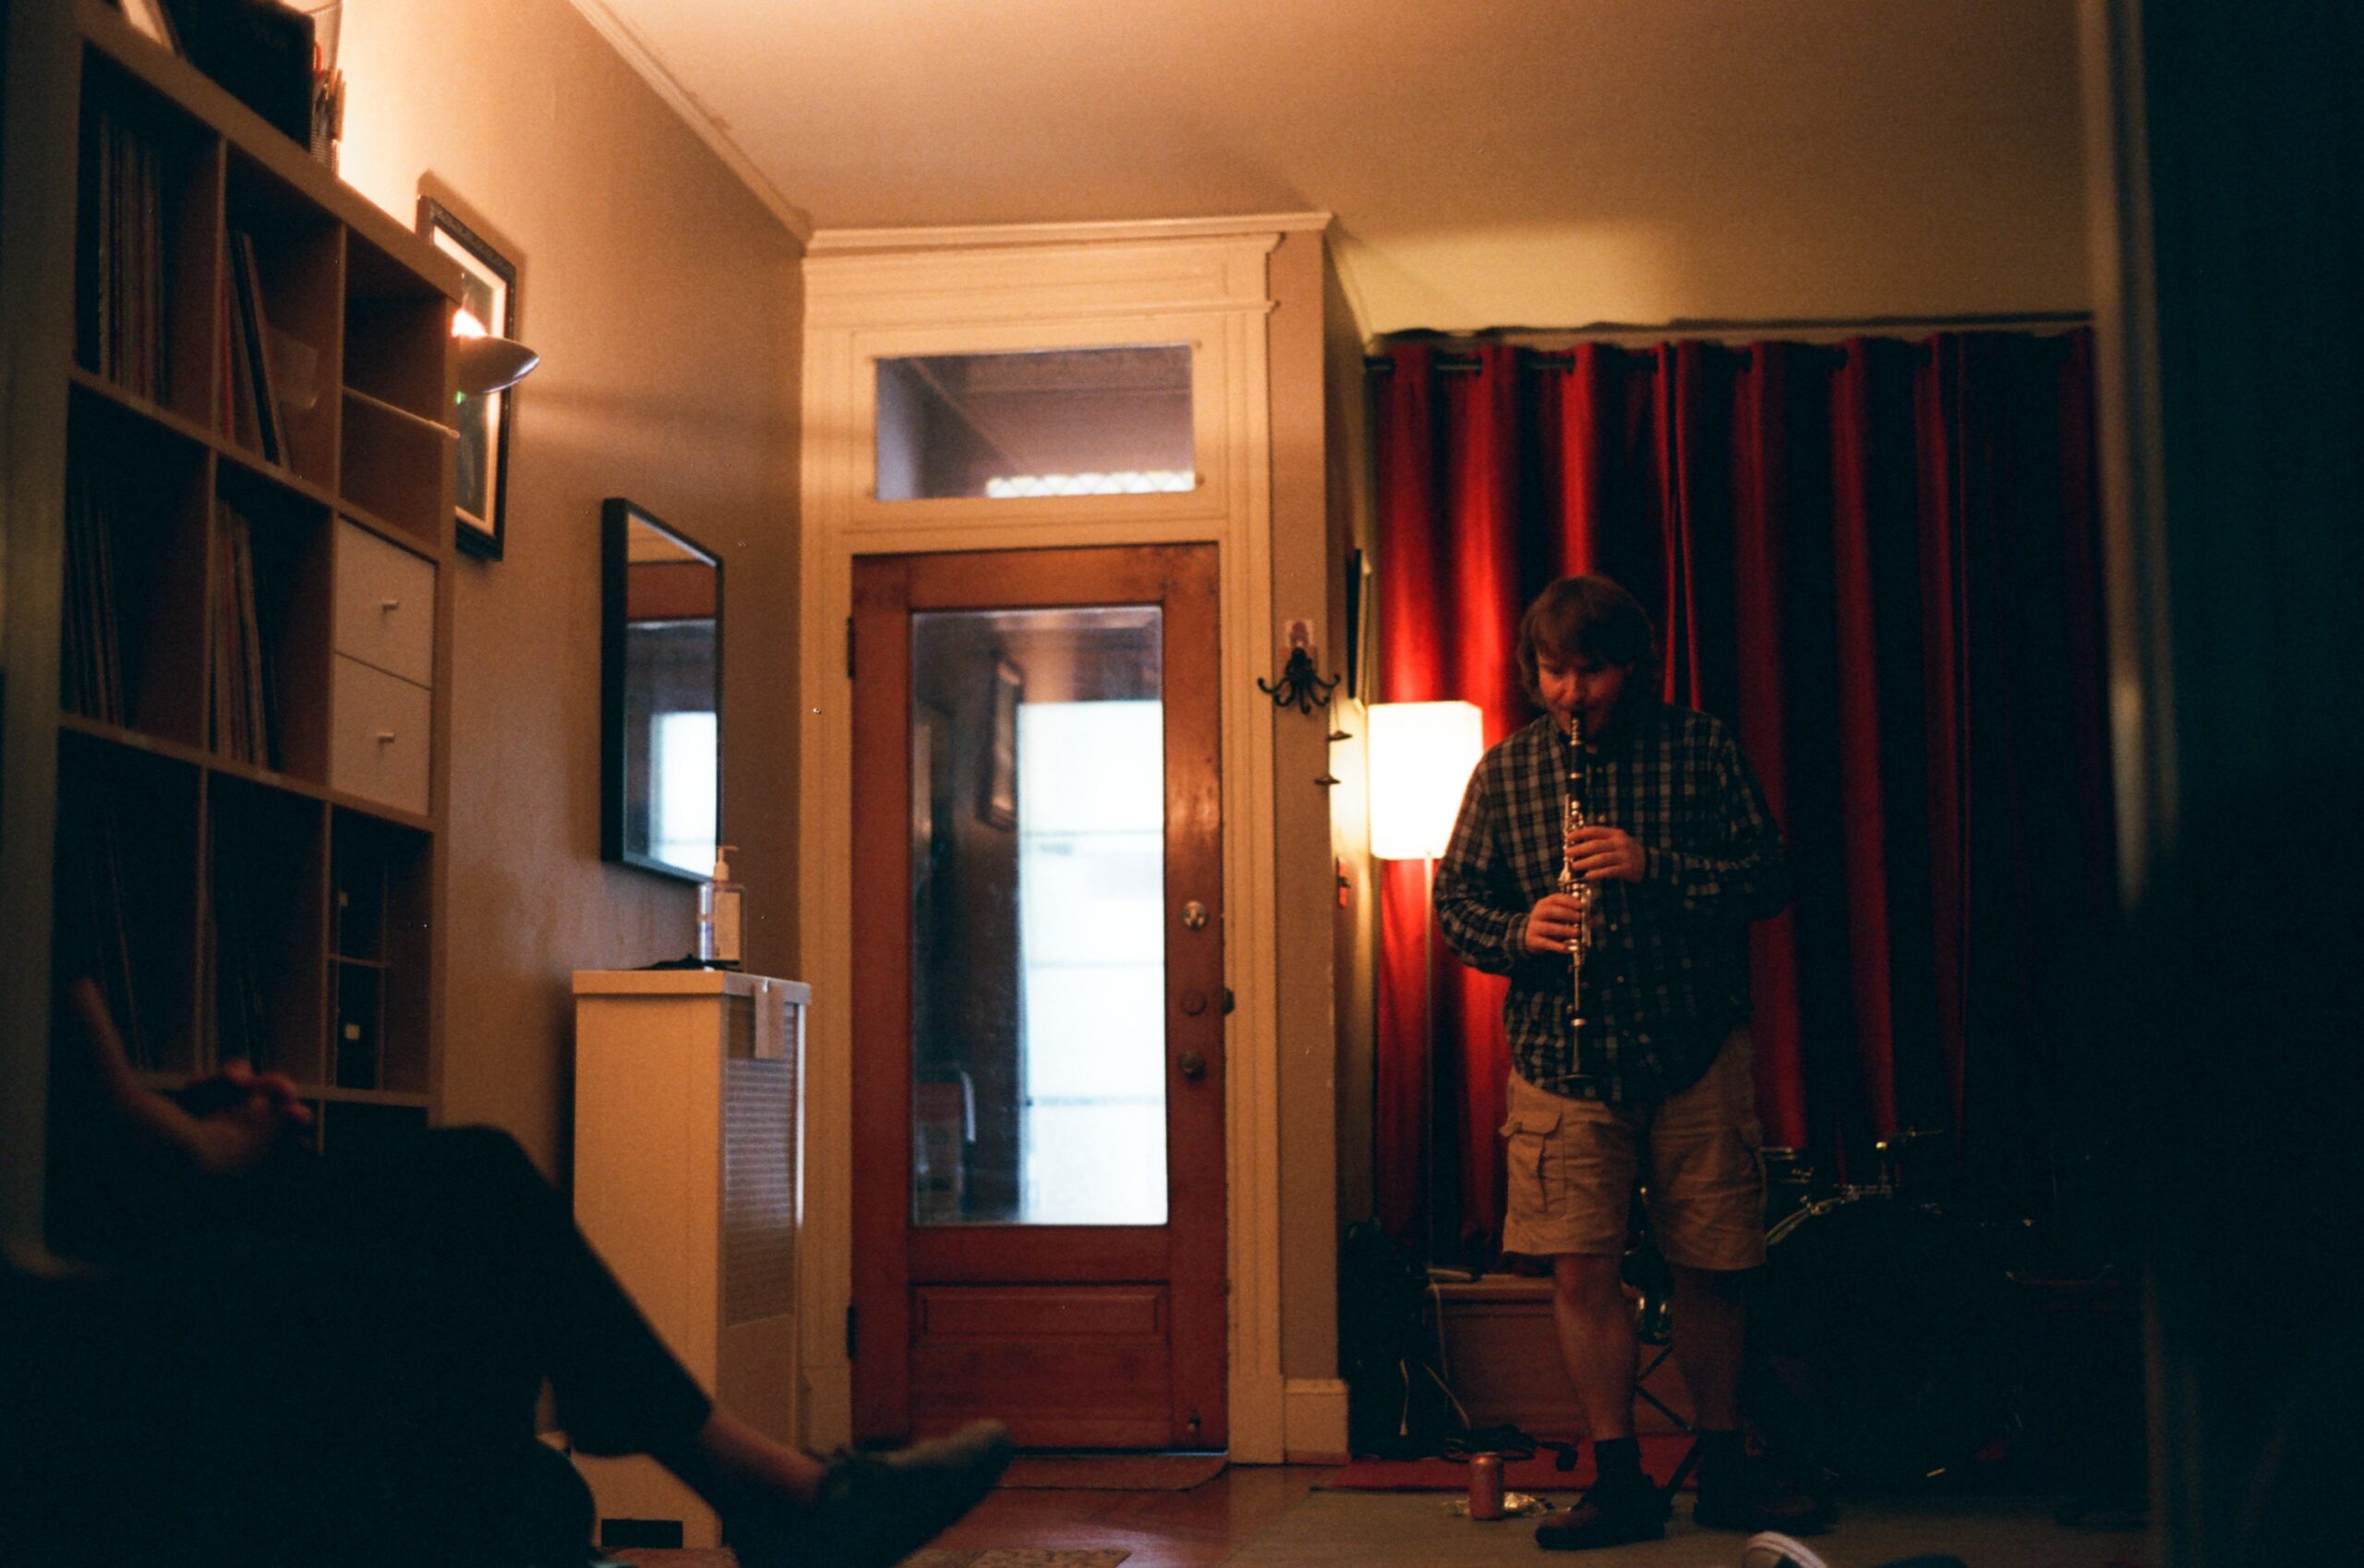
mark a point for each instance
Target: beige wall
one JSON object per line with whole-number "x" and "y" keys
{"x": 1776, "y": 162}
{"x": 665, "y": 302}
{"x": 1302, "y": 573}
{"x": 1354, "y": 905}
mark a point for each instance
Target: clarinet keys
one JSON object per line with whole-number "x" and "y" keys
{"x": 1571, "y": 884}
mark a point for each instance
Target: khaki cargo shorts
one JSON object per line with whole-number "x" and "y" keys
{"x": 1574, "y": 1165}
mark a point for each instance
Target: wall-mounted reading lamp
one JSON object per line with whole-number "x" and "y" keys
{"x": 487, "y": 364}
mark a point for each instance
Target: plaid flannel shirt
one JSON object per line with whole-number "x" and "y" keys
{"x": 1666, "y": 977}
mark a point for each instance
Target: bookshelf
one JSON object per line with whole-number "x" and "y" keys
{"x": 254, "y": 599}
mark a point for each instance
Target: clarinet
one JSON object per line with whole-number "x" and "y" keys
{"x": 1571, "y": 885}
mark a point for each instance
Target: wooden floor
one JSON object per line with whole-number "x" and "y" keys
{"x": 1160, "y": 1529}
{"x": 1237, "y": 1518}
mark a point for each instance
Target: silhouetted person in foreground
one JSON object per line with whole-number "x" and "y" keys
{"x": 283, "y": 1359}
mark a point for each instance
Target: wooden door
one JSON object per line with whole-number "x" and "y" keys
{"x": 1038, "y": 1077}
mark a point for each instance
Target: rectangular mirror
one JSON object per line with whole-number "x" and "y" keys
{"x": 661, "y": 750}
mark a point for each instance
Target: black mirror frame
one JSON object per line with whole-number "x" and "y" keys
{"x": 616, "y": 517}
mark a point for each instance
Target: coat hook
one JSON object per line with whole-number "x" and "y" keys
{"x": 1299, "y": 684}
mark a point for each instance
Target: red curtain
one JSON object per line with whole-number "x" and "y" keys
{"x": 1880, "y": 560}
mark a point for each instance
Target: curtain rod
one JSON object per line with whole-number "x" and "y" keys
{"x": 1548, "y": 348}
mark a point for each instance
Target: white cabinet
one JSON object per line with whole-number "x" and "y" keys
{"x": 385, "y": 605}
{"x": 381, "y": 701}
{"x": 687, "y": 1154}
{"x": 380, "y": 744}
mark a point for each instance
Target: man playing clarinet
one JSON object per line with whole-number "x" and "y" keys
{"x": 1630, "y": 1048}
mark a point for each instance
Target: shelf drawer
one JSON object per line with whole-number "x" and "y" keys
{"x": 381, "y": 743}
{"x": 385, "y": 605}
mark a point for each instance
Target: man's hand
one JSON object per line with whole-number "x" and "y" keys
{"x": 1605, "y": 854}
{"x": 1551, "y": 925}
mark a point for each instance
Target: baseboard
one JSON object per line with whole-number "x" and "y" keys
{"x": 1314, "y": 1421}
{"x": 829, "y": 1404}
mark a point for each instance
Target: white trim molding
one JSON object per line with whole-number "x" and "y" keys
{"x": 983, "y": 235}
{"x": 1317, "y": 1421}
{"x": 960, "y": 290}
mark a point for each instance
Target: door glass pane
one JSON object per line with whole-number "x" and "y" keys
{"x": 1069, "y": 421}
{"x": 1038, "y": 963}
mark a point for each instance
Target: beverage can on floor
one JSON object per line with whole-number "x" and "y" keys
{"x": 1484, "y": 1485}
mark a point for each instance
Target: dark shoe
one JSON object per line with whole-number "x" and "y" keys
{"x": 1756, "y": 1499}
{"x": 876, "y": 1509}
{"x": 1617, "y": 1510}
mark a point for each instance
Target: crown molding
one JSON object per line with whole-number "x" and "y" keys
{"x": 970, "y": 237}
{"x": 643, "y": 59}
{"x": 965, "y": 286}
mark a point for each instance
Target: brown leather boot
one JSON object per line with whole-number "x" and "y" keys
{"x": 1623, "y": 1506}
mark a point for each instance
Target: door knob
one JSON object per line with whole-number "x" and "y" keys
{"x": 1194, "y": 914}
{"x": 1192, "y": 1065}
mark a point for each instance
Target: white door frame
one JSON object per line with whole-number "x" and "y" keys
{"x": 869, "y": 294}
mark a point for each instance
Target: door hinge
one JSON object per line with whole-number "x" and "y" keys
{"x": 848, "y": 648}
{"x": 853, "y": 1333}
{"x": 1229, "y": 1001}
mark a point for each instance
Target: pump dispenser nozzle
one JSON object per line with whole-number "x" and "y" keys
{"x": 719, "y": 913}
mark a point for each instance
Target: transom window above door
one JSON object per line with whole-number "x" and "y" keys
{"x": 1046, "y": 422}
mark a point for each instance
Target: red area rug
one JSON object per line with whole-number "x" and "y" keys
{"x": 926, "y": 1557}
{"x": 1661, "y": 1452}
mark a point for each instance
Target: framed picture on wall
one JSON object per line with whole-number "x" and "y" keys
{"x": 487, "y": 303}
{"x": 1358, "y": 623}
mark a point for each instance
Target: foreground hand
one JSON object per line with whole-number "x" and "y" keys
{"x": 1605, "y": 854}
{"x": 240, "y": 1115}
{"x": 224, "y": 1122}
{"x": 1552, "y": 924}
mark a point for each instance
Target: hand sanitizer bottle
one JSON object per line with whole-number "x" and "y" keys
{"x": 718, "y": 915}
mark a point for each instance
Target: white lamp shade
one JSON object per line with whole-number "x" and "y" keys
{"x": 1422, "y": 755}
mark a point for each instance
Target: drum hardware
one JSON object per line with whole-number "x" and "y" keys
{"x": 1883, "y": 1336}
{"x": 1918, "y": 1161}
{"x": 1883, "y": 1342}
{"x": 1788, "y": 1181}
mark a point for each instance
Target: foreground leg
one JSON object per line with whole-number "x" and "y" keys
{"x": 1710, "y": 1327}
{"x": 620, "y": 1389}
{"x": 1710, "y": 1338}
{"x": 1596, "y": 1326}
{"x": 859, "y": 1510}
{"x": 1595, "y": 1329}
{"x": 1571, "y": 1168}
{"x": 1707, "y": 1206}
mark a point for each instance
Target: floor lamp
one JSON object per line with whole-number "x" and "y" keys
{"x": 1422, "y": 755}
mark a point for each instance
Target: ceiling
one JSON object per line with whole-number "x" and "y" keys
{"x": 1489, "y": 162}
